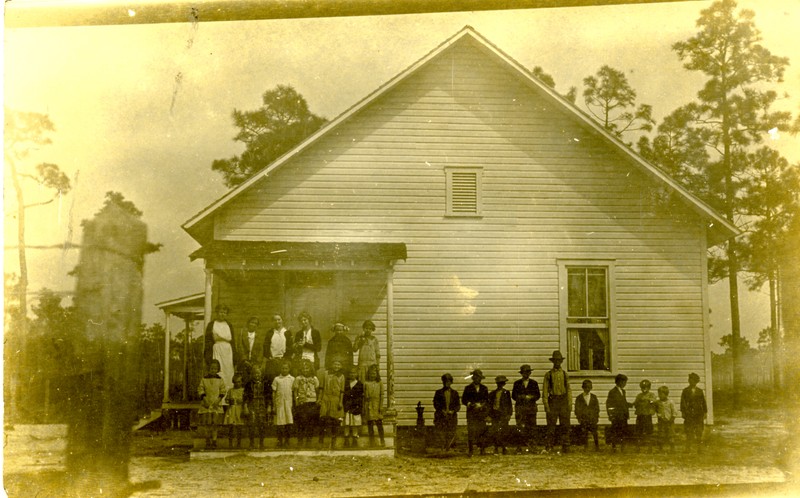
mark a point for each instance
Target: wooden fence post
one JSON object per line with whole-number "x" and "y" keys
{"x": 109, "y": 302}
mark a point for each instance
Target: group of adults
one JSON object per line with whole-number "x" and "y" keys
{"x": 243, "y": 351}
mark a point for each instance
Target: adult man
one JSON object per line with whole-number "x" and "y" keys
{"x": 277, "y": 347}
{"x": 557, "y": 401}
{"x": 525, "y": 394}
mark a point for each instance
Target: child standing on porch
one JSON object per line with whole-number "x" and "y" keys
{"x": 373, "y": 404}
{"x": 282, "y": 400}
{"x": 212, "y": 392}
{"x": 331, "y": 408}
{"x": 353, "y": 406}
{"x": 256, "y": 395}
{"x": 306, "y": 408}
{"x": 233, "y": 416}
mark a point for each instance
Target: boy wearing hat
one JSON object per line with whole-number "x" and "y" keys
{"x": 475, "y": 398}
{"x": 557, "y": 401}
{"x": 500, "y": 412}
{"x": 525, "y": 394}
{"x": 446, "y": 404}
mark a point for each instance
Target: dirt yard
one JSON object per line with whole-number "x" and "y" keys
{"x": 749, "y": 447}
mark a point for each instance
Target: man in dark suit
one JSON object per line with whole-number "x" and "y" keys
{"x": 617, "y": 407}
{"x": 525, "y": 394}
{"x": 446, "y": 403}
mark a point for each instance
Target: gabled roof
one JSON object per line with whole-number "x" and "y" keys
{"x": 719, "y": 229}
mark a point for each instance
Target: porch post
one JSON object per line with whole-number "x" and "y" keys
{"x": 166, "y": 357}
{"x": 207, "y": 310}
{"x": 389, "y": 338}
{"x": 187, "y": 324}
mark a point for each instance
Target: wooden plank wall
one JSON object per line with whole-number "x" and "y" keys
{"x": 484, "y": 292}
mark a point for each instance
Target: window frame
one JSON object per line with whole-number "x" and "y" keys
{"x": 563, "y": 283}
{"x": 449, "y": 171}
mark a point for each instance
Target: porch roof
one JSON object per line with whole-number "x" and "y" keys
{"x": 187, "y": 307}
{"x": 302, "y": 251}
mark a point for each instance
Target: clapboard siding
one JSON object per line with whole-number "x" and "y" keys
{"x": 483, "y": 292}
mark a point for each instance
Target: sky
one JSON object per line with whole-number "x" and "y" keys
{"x": 145, "y": 109}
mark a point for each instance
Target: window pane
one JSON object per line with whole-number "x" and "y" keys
{"x": 576, "y": 293}
{"x": 597, "y": 298}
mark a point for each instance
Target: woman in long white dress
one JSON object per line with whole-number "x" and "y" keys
{"x": 219, "y": 344}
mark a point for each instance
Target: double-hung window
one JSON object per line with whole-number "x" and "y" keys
{"x": 587, "y": 314}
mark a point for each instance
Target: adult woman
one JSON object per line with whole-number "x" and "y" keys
{"x": 219, "y": 341}
{"x": 307, "y": 342}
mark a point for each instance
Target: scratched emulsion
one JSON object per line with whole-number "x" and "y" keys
{"x": 194, "y": 19}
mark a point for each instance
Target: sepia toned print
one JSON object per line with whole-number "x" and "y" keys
{"x": 599, "y": 194}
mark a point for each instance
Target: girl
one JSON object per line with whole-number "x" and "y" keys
{"x": 373, "y": 404}
{"x": 233, "y": 416}
{"x": 212, "y": 392}
{"x": 369, "y": 352}
{"x": 353, "y": 406}
{"x": 282, "y": 401}
{"x": 255, "y": 398}
{"x": 331, "y": 406}
{"x": 305, "y": 390}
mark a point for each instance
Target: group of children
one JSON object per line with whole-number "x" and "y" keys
{"x": 302, "y": 404}
{"x": 495, "y": 407}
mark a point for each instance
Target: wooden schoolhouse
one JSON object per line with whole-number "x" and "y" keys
{"x": 480, "y": 220}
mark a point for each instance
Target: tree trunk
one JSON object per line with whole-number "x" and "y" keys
{"x": 20, "y": 363}
{"x": 109, "y": 302}
{"x": 775, "y": 333}
{"x": 736, "y": 334}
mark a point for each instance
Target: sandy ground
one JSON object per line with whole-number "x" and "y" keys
{"x": 749, "y": 447}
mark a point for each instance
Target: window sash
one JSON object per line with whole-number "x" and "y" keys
{"x": 590, "y": 357}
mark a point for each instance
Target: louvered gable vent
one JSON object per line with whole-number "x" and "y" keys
{"x": 463, "y": 191}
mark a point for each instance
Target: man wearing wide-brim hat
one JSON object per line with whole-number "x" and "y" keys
{"x": 475, "y": 398}
{"x": 557, "y": 401}
{"x": 525, "y": 394}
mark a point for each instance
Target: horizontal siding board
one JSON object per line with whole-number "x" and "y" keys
{"x": 486, "y": 289}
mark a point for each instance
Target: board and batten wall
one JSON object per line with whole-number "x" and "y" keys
{"x": 484, "y": 292}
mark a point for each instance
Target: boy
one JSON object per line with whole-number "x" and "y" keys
{"x": 525, "y": 393}
{"x": 693, "y": 409}
{"x": 500, "y": 412}
{"x": 617, "y": 408}
{"x": 665, "y": 411}
{"x": 446, "y": 402}
{"x": 645, "y": 409}
{"x": 587, "y": 411}
{"x": 475, "y": 397}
